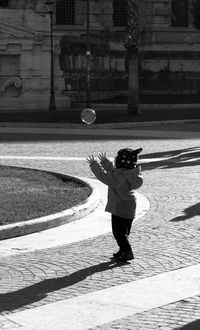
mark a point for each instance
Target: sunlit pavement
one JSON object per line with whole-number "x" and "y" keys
{"x": 76, "y": 285}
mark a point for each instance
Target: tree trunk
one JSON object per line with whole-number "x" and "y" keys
{"x": 132, "y": 45}
{"x": 133, "y": 106}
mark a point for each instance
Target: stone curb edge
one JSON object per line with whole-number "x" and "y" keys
{"x": 57, "y": 219}
{"x": 100, "y": 126}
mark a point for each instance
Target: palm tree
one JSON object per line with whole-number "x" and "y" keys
{"x": 132, "y": 45}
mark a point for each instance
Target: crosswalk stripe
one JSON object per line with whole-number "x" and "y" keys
{"x": 107, "y": 305}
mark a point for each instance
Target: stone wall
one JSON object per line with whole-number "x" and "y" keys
{"x": 35, "y": 5}
{"x": 25, "y": 55}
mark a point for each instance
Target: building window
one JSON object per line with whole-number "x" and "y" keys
{"x": 65, "y": 12}
{"x": 179, "y": 13}
{"x": 120, "y": 12}
{"x": 4, "y": 3}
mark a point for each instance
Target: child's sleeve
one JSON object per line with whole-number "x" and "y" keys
{"x": 111, "y": 179}
{"x": 107, "y": 165}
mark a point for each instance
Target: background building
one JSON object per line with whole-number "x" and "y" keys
{"x": 169, "y": 50}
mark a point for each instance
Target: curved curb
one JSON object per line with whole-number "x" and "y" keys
{"x": 143, "y": 206}
{"x": 53, "y": 220}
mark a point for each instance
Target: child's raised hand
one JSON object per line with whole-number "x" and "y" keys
{"x": 90, "y": 159}
{"x": 102, "y": 156}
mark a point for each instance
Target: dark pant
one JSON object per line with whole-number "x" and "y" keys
{"x": 121, "y": 229}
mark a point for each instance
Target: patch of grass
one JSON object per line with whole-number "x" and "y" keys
{"x": 26, "y": 194}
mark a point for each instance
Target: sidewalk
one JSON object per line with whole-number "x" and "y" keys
{"x": 69, "y": 282}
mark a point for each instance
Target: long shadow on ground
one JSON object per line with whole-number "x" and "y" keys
{"x": 172, "y": 159}
{"x": 195, "y": 325}
{"x": 13, "y": 300}
{"x": 189, "y": 212}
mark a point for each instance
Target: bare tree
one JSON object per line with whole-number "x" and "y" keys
{"x": 132, "y": 45}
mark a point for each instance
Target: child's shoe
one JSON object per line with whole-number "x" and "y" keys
{"x": 126, "y": 256}
{"x": 117, "y": 254}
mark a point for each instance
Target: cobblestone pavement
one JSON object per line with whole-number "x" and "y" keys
{"x": 167, "y": 238}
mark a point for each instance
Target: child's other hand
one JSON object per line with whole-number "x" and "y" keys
{"x": 102, "y": 156}
{"x": 90, "y": 159}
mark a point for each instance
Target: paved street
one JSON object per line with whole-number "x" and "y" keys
{"x": 164, "y": 240}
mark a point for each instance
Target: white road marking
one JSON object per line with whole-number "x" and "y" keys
{"x": 40, "y": 157}
{"x": 57, "y": 158}
{"x": 104, "y": 306}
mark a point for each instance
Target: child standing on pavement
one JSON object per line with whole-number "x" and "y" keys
{"x": 121, "y": 178}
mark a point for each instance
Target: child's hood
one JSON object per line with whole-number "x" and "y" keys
{"x": 133, "y": 176}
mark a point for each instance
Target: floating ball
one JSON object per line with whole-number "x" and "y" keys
{"x": 88, "y": 116}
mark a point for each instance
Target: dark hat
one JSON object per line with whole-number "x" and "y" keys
{"x": 127, "y": 158}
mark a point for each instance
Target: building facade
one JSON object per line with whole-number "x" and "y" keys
{"x": 169, "y": 52}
